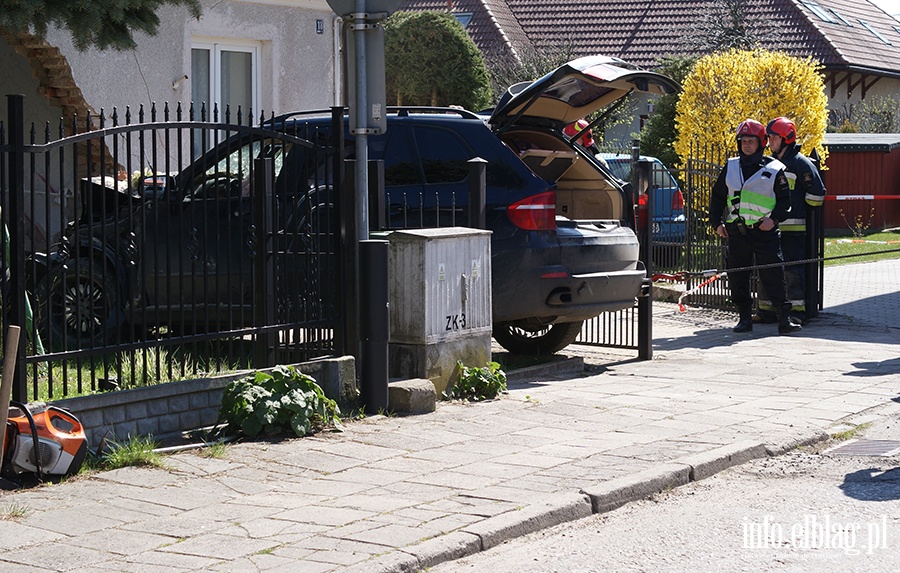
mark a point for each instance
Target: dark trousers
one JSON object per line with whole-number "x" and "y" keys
{"x": 793, "y": 248}
{"x": 759, "y": 248}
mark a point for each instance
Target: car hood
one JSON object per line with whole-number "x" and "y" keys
{"x": 575, "y": 90}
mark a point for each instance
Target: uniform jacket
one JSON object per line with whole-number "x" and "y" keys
{"x": 807, "y": 189}
{"x": 759, "y": 177}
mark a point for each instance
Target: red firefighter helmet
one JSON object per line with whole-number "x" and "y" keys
{"x": 784, "y": 128}
{"x": 752, "y": 128}
{"x": 587, "y": 139}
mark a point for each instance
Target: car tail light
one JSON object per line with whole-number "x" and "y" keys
{"x": 677, "y": 200}
{"x": 535, "y": 213}
{"x": 643, "y": 199}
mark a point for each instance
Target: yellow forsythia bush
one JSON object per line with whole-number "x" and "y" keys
{"x": 725, "y": 88}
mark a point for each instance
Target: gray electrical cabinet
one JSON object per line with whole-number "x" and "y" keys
{"x": 440, "y": 293}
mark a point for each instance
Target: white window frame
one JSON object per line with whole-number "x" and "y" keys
{"x": 216, "y": 46}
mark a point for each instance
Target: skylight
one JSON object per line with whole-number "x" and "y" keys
{"x": 464, "y": 18}
{"x": 841, "y": 17}
{"x": 874, "y": 31}
{"x": 818, "y": 11}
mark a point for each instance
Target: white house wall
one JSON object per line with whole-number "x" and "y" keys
{"x": 297, "y": 63}
{"x": 298, "y": 67}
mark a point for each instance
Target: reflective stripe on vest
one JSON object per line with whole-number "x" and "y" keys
{"x": 757, "y": 194}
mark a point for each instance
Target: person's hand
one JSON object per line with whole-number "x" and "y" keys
{"x": 722, "y": 231}
{"x": 767, "y": 224}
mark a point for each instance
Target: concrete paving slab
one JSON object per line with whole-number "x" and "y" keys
{"x": 399, "y": 494}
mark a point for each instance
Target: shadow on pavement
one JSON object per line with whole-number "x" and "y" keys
{"x": 891, "y": 366}
{"x": 871, "y": 484}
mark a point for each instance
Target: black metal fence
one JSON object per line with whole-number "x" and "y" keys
{"x": 162, "y": 245}
{"x": 166, "y": 245}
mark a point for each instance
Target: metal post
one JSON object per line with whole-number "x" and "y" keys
{"x": 645, "y": 299}
{"x": 362, "y": 124}
{"x": 350, "y": 260}
{"x": 13, "y": 218}
{"x": 263, "y": 298}
{"x": 374, "y": 327}
{"x": 377, "y": 211}
{"x": 477, "y": 184}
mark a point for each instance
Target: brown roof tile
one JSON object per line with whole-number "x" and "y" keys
{"x": 643, "y": 31}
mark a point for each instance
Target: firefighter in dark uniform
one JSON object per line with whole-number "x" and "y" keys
{"x": 807, "y": 192}
{"x": 749, "y": 199}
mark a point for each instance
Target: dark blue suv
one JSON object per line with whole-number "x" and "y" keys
{"x": 562, "y": 246}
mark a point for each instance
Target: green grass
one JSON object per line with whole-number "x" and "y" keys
{"x": 845, "y": 248}
{"x": 214, "y": 450}
{"x": 13, "y": 511}
{"x": 134, "y": 369}
{"x": 851, "y": 433}
{"x": 132, "y": 452}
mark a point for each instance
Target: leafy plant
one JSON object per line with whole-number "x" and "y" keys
{"x": 273, "y": 403}
{"x": 478, "y": 383}
{"x": 725, "y": 88}
{"x": 430, "y": 60}
{"x": 860, "y": 225}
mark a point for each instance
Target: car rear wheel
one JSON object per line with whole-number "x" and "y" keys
{"x": 537, "y": 341}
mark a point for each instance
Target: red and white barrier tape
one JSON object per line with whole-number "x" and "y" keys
{"x": 714, "y": 278}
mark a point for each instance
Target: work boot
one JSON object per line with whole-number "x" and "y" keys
{"x": 745, "y": 323}
{"x": 786, "y": 324}
{"x": 765, "y": 317}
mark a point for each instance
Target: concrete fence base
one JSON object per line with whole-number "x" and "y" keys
{"x": 165, "y": 411}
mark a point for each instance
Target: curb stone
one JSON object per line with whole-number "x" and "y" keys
{"x": 450, "y": 547}
{"x": 617, "y": 492}
{"x": 711, "y": 462}
{"x": 393, "y": 562}
{"x": 796, "y": 442}
{"x": 571, "y": 364}
{"x": 495, "y": 530}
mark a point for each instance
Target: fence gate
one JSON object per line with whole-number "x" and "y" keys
{"x": 144, "y": 249}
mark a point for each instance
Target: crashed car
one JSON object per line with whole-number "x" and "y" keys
{"x": 562, "y": 245}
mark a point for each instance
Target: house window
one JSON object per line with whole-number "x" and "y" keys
{"x": 226, "y": 75}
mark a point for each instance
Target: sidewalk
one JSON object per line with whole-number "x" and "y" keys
{"x": 403, "y": 493}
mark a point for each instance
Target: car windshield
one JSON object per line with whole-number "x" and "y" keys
{"x": 621, "y": 168}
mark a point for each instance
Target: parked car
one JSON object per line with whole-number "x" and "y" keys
{"x": 660, "y": 190}
{"x": 562, "y": 245}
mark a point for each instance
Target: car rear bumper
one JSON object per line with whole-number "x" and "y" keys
{"x": 556, "y": 296}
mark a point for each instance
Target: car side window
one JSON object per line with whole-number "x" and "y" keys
{"x": 444, "y": 156}
{"x": 400, "y": 165}
{"x": 232, "y": 172}
{"x": 661, "y": 177}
